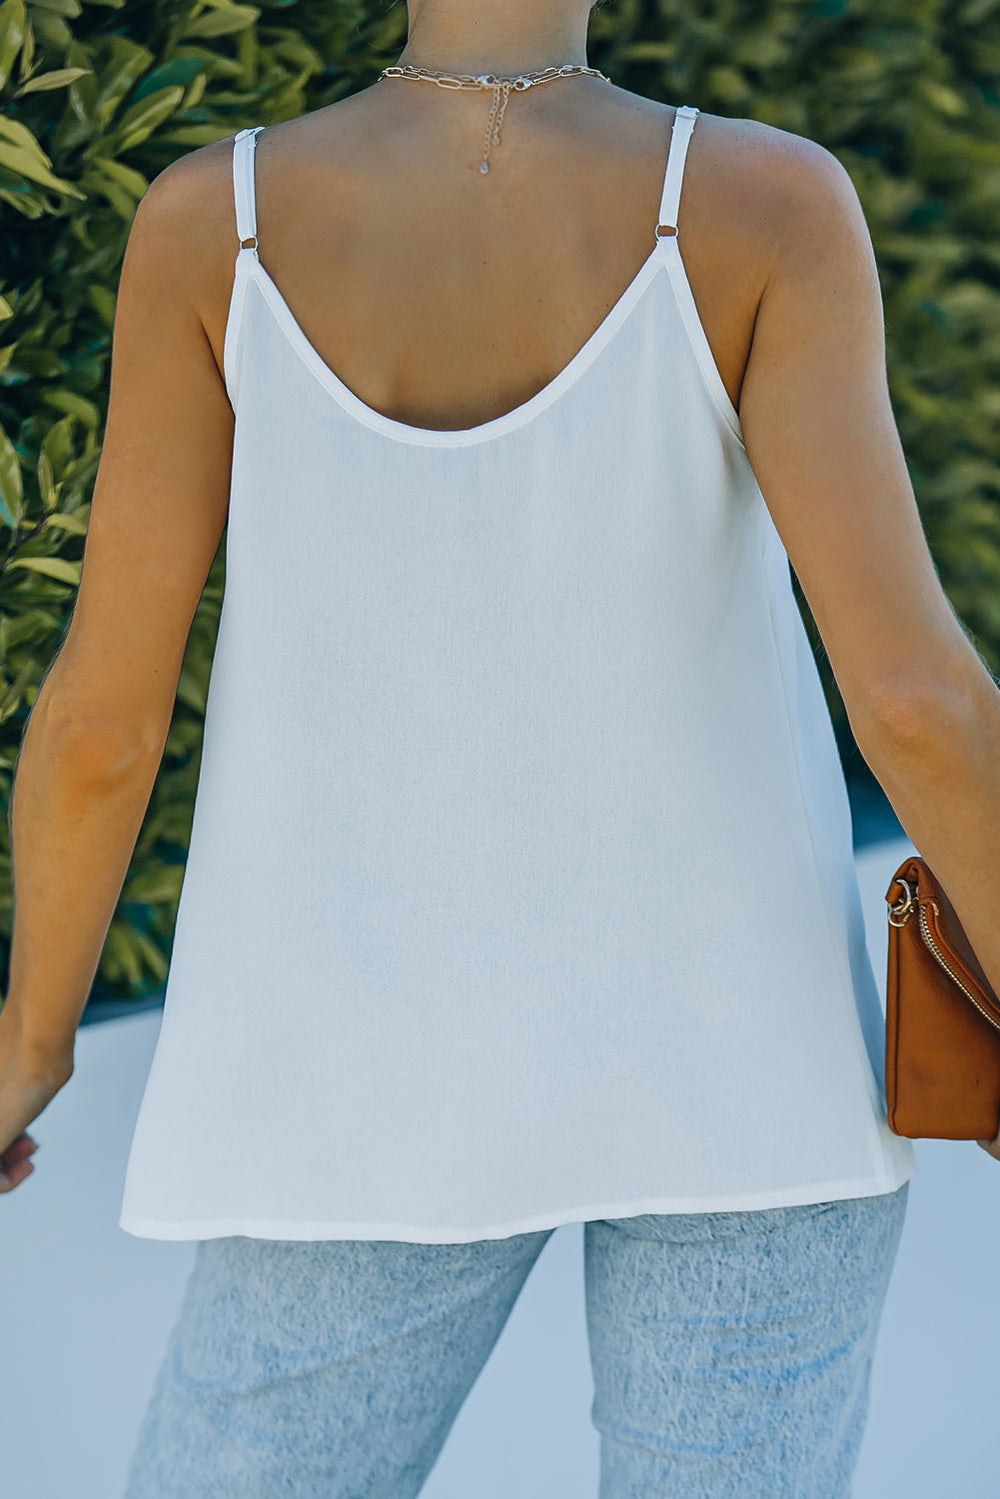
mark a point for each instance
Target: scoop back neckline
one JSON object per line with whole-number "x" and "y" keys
{"x": 507, "y": 421}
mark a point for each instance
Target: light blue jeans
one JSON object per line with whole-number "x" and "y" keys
{"x": 730, "y": 1353}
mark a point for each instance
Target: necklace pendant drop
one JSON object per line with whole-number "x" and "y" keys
{"x": 500, "y": 85}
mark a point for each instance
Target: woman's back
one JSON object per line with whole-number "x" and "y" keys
{"x": 443, "y": 298}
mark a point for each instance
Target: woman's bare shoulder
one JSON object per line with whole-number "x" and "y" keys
{"x": 187, "y": 222}
{"x": 192, "y": 196}
{"x": 187, "y": 215}
{"x": 767, "y": 179}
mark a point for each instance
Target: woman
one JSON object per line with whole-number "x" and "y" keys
{"x": 520, "y": 889}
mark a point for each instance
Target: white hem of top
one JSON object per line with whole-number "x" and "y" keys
{"x": 279, "y": 1228}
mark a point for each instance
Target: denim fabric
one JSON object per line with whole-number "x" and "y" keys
{"x": 730, "y": 1351}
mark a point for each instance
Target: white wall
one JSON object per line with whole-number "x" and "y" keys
{"x": 86, "y": 1310}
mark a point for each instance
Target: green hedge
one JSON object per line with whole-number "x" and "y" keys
{"x": 97, "y": 98}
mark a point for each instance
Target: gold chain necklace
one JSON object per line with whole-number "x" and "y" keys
{"x": 501, "y": 87}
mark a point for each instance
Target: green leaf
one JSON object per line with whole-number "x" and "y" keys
{"x": 180, "y": 70}
{"x": 57, "y": 444}
{"x": 127, "y": 62}
{"x": 60, "y": 7}
{"x": 68, "y": 400}
{"x": 71, "y": 523}
{"x": 59, "y": 78}
{"x": 51, "y": 567}
{"x": 129, "y": 956}
{"x": 196, "y": 135}
{"x": 31, "y": 628}
{"x": 123, "y": 203}
{"x": 157, "y": 963}
{"x": 13, "y": 18}
{"x": 28, "y": 64}
{"x": 28, "y": 201}
{"x": 119, "y": 957}
{"x": 103, "y": 302}
{"x": 223, "y": 19}
{"x": 975, "y": 11}
{"x": 20, "y": 135}
{"x": 192, "y": 686}
{"x": 52, "y": 31}
{"x": 155, "y": 884}
{"x": 127, "y": 177}
{"x": 728, "y": 84}
{"x": 46, "y": 488}
{"x": 194, "y": 93}
{"x": 944, "y": 99}
{"x": 11, "y": 483}
{"x": 27, "y": 164}
{"x": 651, "y": 51}
{"x": 142, "y": 119}
{"x": 11, "y": 699}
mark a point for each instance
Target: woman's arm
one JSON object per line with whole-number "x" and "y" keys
{"x": 95, "y": 737}
{"x": 821, "y": 435}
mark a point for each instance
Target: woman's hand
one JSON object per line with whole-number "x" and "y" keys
{"x": 28, "y": 1083}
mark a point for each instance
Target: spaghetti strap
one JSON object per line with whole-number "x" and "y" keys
{"x": 243, "y": 186}
{"x": 680, "y": 135}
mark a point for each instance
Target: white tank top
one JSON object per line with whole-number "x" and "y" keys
{"x": 521, "y": 886}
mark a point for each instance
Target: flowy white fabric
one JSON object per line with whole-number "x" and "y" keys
{"x": 521, "y": 886}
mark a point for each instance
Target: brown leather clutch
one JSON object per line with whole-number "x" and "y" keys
{"x": 942, "y": 1041}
